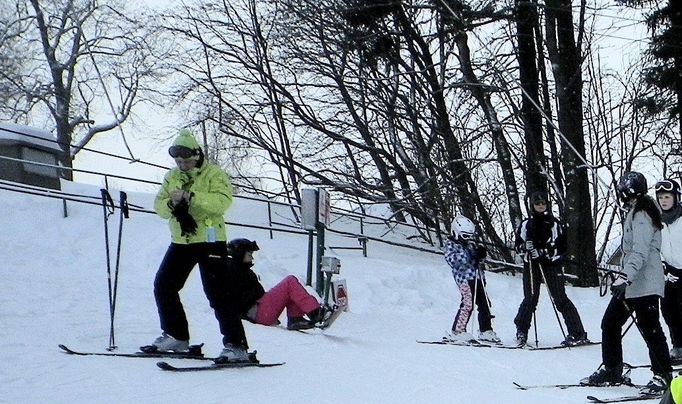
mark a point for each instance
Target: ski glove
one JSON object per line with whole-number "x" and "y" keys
{"x": 618, "y": 287}
{"x": 187, "y": 223}
{"x": 531, "y": 250}
{"x": 481, "y": 252}
{"x": 671, "y": 278}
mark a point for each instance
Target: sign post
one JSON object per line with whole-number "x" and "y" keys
{"x": 315, "y": 217}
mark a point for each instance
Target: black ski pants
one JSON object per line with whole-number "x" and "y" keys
{"x": 175, "y": 268}
{"x": 671, "y": 307}
{"x": 646, "y": 310}
{"x": 532, "y": 276}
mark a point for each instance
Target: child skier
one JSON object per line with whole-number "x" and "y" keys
{"x": 261, "y": 307}
{"x": 464, "y": 257}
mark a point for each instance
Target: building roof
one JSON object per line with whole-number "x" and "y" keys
{"x": 12, "y": 133}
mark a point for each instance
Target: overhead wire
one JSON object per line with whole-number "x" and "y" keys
{"x": 104, "y": 88}
{"x": 535, "y": 105}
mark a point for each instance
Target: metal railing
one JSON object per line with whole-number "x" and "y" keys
{"x": 361, "y": 237}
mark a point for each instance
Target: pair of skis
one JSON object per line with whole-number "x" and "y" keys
{"x": 640, "y": 396}
{"x": 593, "y": 399}
{"x": 194, "y": 352}
{"x": 486, "y": 344}
{"x": 634, "y": 397}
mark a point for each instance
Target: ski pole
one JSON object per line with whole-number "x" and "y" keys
{"x": 532, "y": 293}
{"x": 551, "y": 299}
{"x": 474, "y": 307}
{"x": 108, "y": 209}
{"x": 488, "y": 302}
{"x": 124, "y": 214}
{"x": 627, "y": 328}
{"x": 636, "y": 323}
{"x": 605, "y": 283}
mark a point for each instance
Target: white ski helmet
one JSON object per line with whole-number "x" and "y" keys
{"x": 462, "y": 227}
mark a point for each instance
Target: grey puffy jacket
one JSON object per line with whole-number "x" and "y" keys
{"x": 641, "y": 262}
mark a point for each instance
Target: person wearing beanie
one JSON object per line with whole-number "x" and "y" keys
{"x": 668, "y": 197}
{"x": 540, "y": 240}
{"x": 193, "y": 198}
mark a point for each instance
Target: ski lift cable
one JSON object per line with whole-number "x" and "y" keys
{"x": 539, "y": 109}
{"x": 106, "y": 91}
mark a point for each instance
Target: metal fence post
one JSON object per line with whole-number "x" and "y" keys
{"x": 319, "y": 286}
{"x": 270, "y": 220}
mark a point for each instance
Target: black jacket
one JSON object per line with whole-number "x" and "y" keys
{"x": 243, "y": 286}
{"x": 546, "y": 233}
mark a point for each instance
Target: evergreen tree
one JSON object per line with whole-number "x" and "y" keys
{"x": 664, "y": 66}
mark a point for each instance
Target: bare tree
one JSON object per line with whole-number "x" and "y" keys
{"x": 621, "y": 138}
{"x": 13, "y": 28}
{"x": 74, "y": 50}
{"x": 363, "y": 106}
{"x": 565, "y": 54}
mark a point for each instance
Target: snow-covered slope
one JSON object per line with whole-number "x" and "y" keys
{"x": 53, "y": 289}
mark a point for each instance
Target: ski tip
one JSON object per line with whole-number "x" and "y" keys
{"x": 520, "y": 387}
{"x": 164, "y": 365}
{"x": 68, "y": 350}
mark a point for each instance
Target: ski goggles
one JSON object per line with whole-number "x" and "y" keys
{"x": 665, "y": 186}
{"x": 182, "y": 152}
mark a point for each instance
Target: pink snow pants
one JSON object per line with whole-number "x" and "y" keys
{"x": 289, "y": 294}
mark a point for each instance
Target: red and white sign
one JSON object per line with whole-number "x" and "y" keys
{"x": 340, "y": 293}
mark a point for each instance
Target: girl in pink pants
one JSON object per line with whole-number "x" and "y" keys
{"x": 289, "y": 294}
{"x": 247, "y": 294}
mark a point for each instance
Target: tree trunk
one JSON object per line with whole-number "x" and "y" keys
{"x": 526, "y": 19}
{"x": 566, "y": 63}
{"x": 500, "y": 141}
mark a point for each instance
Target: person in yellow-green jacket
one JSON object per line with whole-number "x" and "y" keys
{"x": 674, "y": 393}
{"x": 193, "y": 198}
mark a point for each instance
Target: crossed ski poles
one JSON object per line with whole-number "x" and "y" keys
{"x": 551, "y": 299}
{"x": 108, "y": 208}
{"x": 610, "y": 275}
{"x": 556, "y": 312}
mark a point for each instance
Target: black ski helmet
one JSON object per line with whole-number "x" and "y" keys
{"x": 631, "y": 185}
{"x": 238, "y": 247}
{"x": 537, "y": 196}
{"x": 669, "y": 185}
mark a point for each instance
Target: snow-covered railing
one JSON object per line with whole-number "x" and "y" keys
{"x": 273, "y": 226}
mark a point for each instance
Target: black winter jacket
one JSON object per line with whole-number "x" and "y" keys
{"x": 546, "y": 233}
{"x": 243, "y": 286}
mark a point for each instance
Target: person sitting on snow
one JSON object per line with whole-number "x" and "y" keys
{"x": 261, "y": 307}
{"x": 464, "y": 256}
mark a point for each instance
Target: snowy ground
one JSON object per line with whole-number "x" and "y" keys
{"x": 53, "y": 289}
